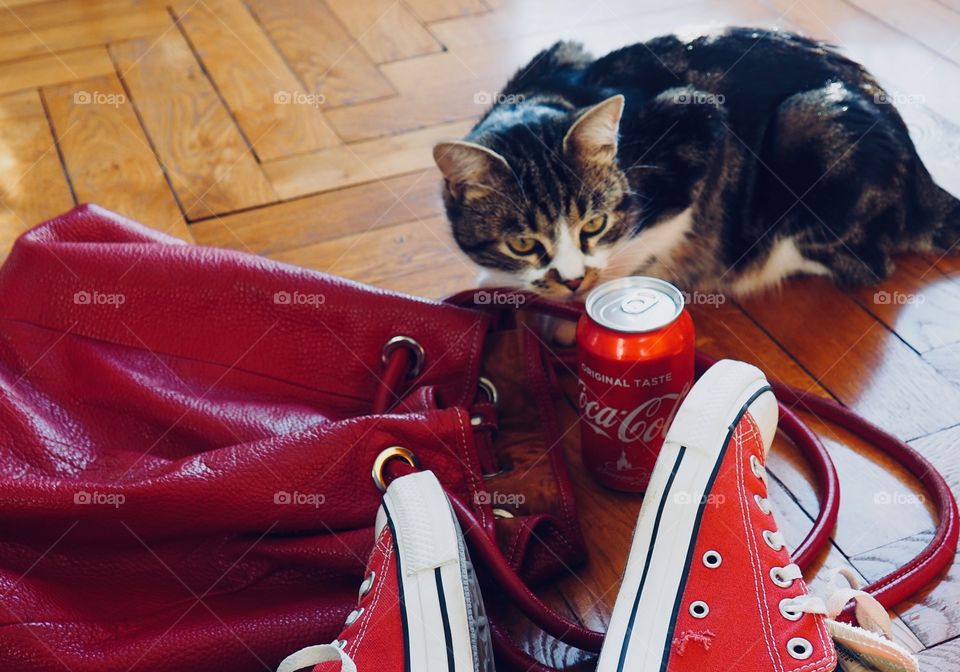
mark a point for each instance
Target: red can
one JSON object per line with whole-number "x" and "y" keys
{"x": 635, "y": 363}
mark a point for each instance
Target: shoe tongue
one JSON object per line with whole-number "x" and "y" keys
{"x": 380, "y": 524}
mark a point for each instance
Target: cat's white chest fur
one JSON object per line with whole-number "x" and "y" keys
{"x": 654, "y": 245}
{"x": 784, "y": 260}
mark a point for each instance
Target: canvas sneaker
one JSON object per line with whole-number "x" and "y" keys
{"x": 709, "y": 584}
{"x": 419, "y": 608}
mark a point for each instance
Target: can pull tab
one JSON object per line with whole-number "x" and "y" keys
{"x": 639, "y": 303}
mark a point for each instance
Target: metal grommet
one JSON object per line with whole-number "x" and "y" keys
{"x": 776, "y": 575}
{"x": 489, "y": 388}
{"x": 756, "y": 467}
{"x": 699, "y": 609}
{"x": 771, "y": 540}
{"x": 387, "y": 454}
{"x": 502, "y": 513}
{"x": 405, "y": 342}
{"x": 799, "y": 648}
{"x": 789, "y": 611}
{"x": 340, "y": 643}
{"x": 353, "y": 616}
{"x": 762, "y": 503}
{"x": 712, "y": 559}
{"x": 367, "y": 583}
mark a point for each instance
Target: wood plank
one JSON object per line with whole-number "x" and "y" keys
{"x": 929, "y": 22}
{"x": 918, "y": 302}
{"x": 946, "y": 361}
{"x": 360, "y": 162}
{"x": 318, "y": 48}
{"x": 107, "y": 155}
{"x": 377, "y": 255}
{"x": 69, "y": 66}
{"x": 435, "y": 10}
{"x": 47, "y": 13}
{"x": 210, "y": 165}
{"x": 386, "y": 29}
{"x": 118, "y": 26}
{"x": 942, "y": 658}
{"x": 33, "y": 187}
{"x": 332, "y": 214}
{"x": 427, "y": 106}
{"x": 276, "y": 114}
{"x": 932, "y": 613}
{"x": 530, "y": 17}
{"x": 856, "y": 358}
{"x": 501, "y": 57}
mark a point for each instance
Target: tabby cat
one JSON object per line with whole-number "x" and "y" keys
{"x": 726, "y": 162}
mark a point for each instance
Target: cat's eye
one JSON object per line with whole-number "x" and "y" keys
{"x": 594, "y": 226}
{"x": 522, "y": 245}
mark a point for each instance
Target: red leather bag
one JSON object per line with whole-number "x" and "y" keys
{"x": 187, "y": 437}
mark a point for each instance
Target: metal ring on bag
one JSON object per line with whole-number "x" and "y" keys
{"x": 489, "y": 388}
{"x": 411, "y": 344}
{"x": 387, "y": 454}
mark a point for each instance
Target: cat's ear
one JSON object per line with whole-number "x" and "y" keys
{"x": 467, "y": 165}
{"x": 594, "y": 136}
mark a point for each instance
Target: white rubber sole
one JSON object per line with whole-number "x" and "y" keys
{"x": 640, "y": 632}
{"x": 444, "y": 626}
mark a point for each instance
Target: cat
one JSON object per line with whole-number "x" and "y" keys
{"x": 726, "y": 162}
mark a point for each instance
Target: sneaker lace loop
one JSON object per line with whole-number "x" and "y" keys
{"x": 319, "y": 653}
{"x": 871, "y": 615}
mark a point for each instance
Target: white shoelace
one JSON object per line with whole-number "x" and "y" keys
{"x": 319, "y": 653}
{"x": 871, "y": 615}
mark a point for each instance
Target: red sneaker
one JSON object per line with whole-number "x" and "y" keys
{"x": 709, "y": 583}
{"x": 420, "y": 608}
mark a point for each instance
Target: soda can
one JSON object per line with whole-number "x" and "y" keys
{"x": 635, "y": 346}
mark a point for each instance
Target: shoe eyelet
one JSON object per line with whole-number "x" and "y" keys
{"x": 712, "y": 559}
{"x": 699, "y": 609}
{"x": 367, "y": 584}
{"x": 789, "y": 611}
{"x": 353, "y": 616}
{"x": 772, "y": 541}
{"x": 799, "y": 648}
{"x": 340, "y": 643}
{"x": 757, "y": 468}
{"x": 776, "y": 575}
{"x": 762, "y": 503}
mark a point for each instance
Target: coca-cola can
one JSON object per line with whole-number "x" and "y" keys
{"x": 635, "y": 365}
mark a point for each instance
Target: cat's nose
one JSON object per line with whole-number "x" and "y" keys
{"x": 573, "y": 284}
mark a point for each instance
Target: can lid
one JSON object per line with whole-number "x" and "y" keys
{"x": 635, "y": 304}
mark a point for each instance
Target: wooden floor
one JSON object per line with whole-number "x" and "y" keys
{"x": 301, "y": 130}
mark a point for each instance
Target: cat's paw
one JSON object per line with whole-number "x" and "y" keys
{"x": 559, "y": 332}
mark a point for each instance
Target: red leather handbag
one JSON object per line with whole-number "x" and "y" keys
{"x": 192, "y": 441}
